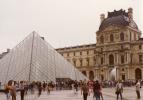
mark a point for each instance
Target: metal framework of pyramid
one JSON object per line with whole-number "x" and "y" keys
{"x": 34, "y": 59}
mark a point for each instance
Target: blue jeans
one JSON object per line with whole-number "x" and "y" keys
{"x": 7, "y": 96}
{"x": 97, "y": 97}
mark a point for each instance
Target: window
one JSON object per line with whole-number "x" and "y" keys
{"x": 131, "y": 55}
{"x": 134, "y": 36}
{"x": 102, "y": 39}
{"x": 122, "y": 36}
{"x": 80, "y": 62}
{"x": 101, "y": 49}
{"x": 111, "y": 59}
{"x": 73, "y": 53}
{"x": 67, "y": 54}
{"x": 94, "y": 61}
{"x": 102, "y": 61}
{"x": 122, "y": 59}
{"x": 84, "y": 72}
{"x": 80, "y": 53}
{"x": 87, "y": 60}
{"x": 87, "y": 52}
{"x": 140, "y": 46}
{"x": 74, "y": 62}
{"x": 111, "y": 38}
{"x": 140, "y": 58}
{"x": 94, "y": 51}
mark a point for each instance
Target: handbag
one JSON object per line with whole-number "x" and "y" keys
{"x": 116, "y": 92}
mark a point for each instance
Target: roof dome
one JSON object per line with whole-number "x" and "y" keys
{"x": 118, "y": 18}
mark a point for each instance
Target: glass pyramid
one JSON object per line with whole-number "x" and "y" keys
{"x": 34, "y": 59}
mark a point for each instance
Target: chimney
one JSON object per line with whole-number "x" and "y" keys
{"x": 130, "y": 13}
{"x": 102, "y": 17}
{"x": 8, "y": 50}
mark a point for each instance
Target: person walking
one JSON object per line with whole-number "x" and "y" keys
{"x": 48, "y": 88}
{"x": 12, "y": 89}
{"x": 138, "y": 86}
{"x": 119, "y": 90}
{"x": 22, "y": 90}
{"x": 75, "y": 87}
{"x": 97, "y": 90}
{"x": 84, "y": 91}
{"x": 39, "y": 89}
{"x": 7, "y": 89}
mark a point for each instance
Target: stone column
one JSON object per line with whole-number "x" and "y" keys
{"x": 117, "y": 58}
{"x": 117, "y": 74}
{"x": 128, "y": 58}
{"x": 128, "y": 74}
{"x": 106, "y": 74}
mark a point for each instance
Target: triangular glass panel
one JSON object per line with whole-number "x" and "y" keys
{"x": 34, "y": 59}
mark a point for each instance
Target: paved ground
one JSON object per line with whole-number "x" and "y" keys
{"x": 108, "y": 94}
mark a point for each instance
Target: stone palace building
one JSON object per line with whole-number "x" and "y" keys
{"x": 119, "y": 46}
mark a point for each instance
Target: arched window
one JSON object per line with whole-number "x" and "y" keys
{"x": 84, "y": 72}
{"x": 122, "y": 36}
{"x": 111, "y": 59}
{"x": 111, "y": 38}
{"x": 91, "y": 75}
{"x": 138, "y": 74}
{"x": 102, "y": 39}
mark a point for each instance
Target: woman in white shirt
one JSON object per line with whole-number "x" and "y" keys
{"x": 138, "y": 86}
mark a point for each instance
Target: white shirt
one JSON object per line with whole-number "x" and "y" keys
{"x": 138, "y": 86}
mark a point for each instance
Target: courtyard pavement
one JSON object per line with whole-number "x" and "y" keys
{"x": 108, "y": 94}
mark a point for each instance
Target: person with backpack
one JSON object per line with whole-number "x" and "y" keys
{"x": 84, "y": 91}
{"x": 119, "y": 90}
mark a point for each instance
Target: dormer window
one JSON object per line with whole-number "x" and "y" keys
{"x": 111, "y": 38}
{"x": 122, "y": 36}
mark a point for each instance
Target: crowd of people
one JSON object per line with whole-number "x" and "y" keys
{"x": 86, "y": 87}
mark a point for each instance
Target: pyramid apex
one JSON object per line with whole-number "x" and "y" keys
{"x": 34, "y": 32}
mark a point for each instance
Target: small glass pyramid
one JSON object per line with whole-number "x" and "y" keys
{"x": 34, "y": 59}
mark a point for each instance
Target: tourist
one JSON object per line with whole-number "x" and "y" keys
{"x": 84, "y": 91}
{"x": 119, "y": 90}
{"x": 7, "y": 89}
{"x": 90, "y": 85}
{"x": 48, "y": 89}
{"x": 97, "y": 90}
{"x": 11, "y": 87}
{"x": 75, "y": 87}
{"x": 39, "y": 89}
{"x": 44, "y": 85}
{"x": 22, "y": 90}
{"x": 138, "y": 86}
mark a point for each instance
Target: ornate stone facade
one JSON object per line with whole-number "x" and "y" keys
{"x": 119, "y": 46}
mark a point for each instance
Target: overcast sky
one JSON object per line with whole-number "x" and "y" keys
{"x": 62, "y": 22}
